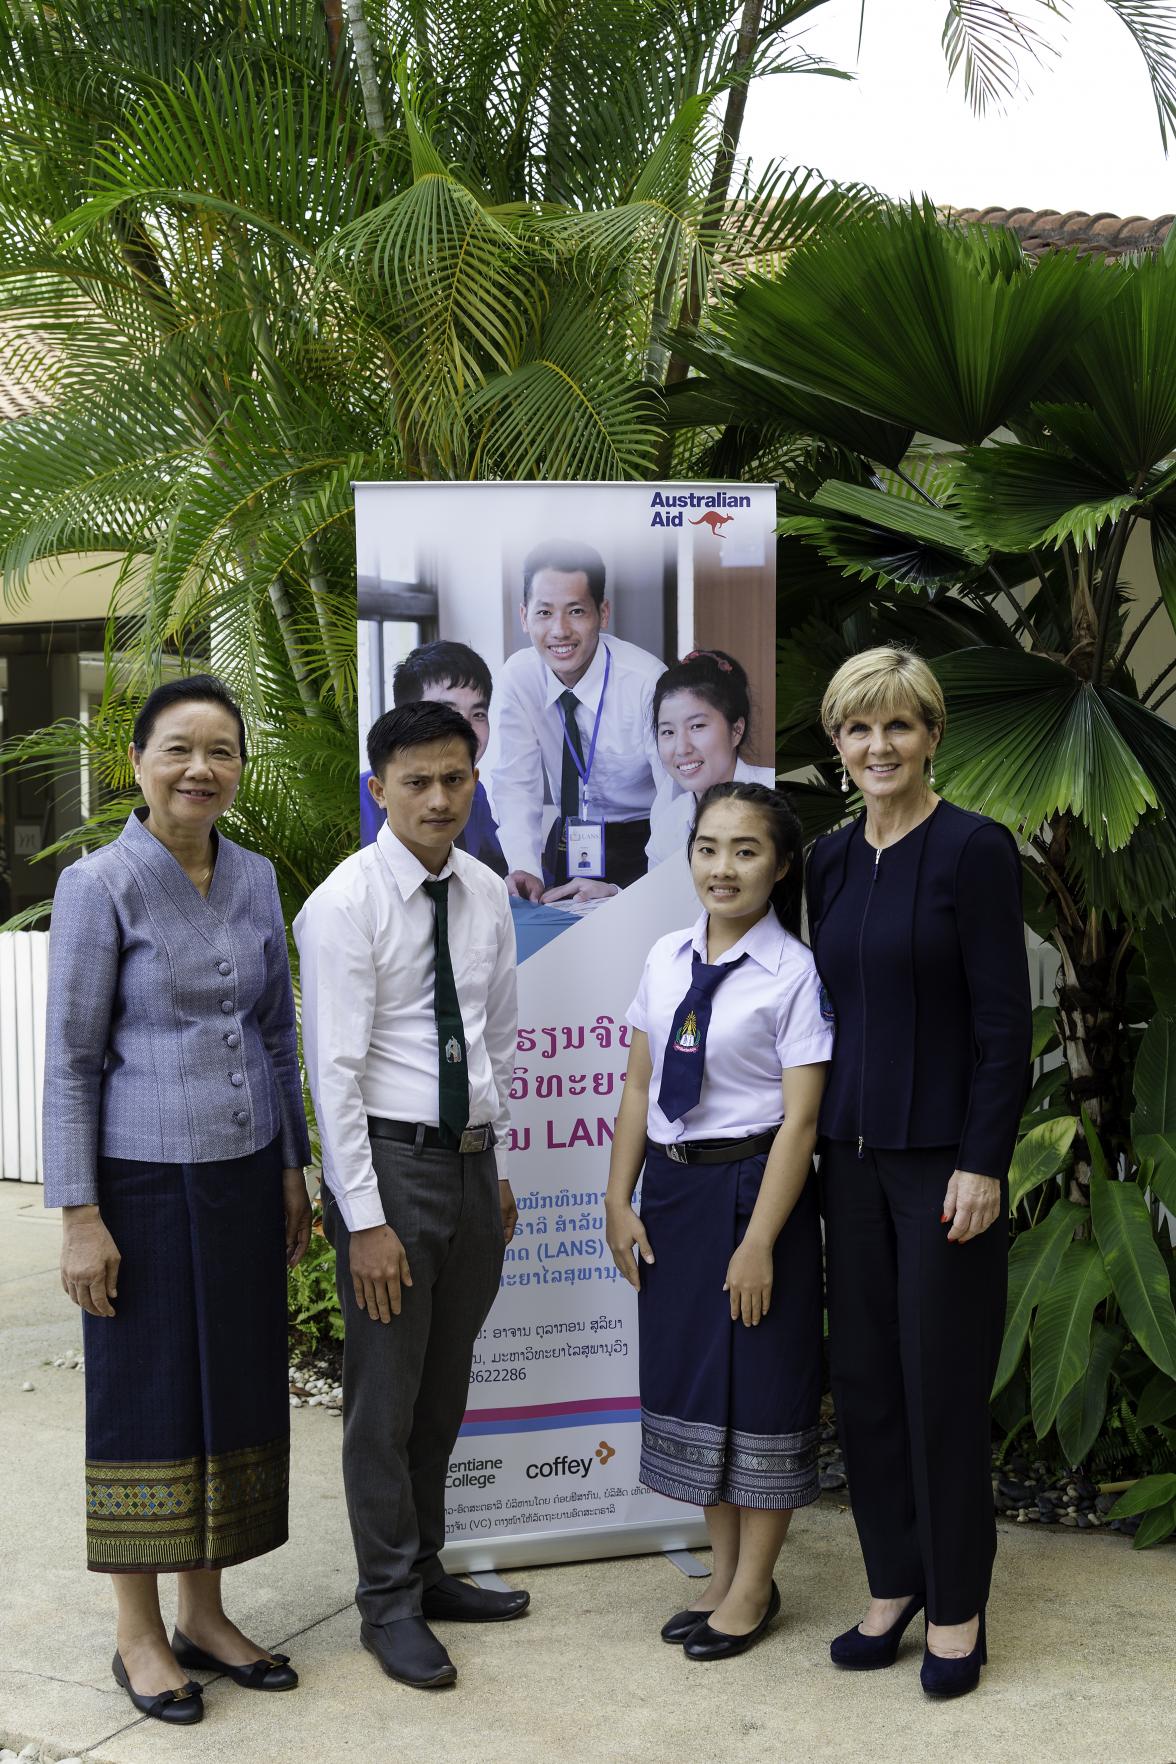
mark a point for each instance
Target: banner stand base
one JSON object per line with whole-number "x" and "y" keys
{"x": 688, "y": 1563}
{"x": 489, "y": 1581}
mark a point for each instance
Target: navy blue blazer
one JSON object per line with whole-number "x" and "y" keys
{"x": 170, "y": 1032}
{"x": 921, "y": 951}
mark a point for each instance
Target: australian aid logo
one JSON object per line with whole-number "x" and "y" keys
{"x": 717, "y": 506}
{"x": 565, "y": 1466}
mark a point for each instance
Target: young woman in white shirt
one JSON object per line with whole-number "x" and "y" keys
{"x": 701, "y": 719}
{"x": 726, "y": 1252}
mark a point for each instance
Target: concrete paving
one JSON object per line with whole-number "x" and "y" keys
{"x": 1082, "y": 1643}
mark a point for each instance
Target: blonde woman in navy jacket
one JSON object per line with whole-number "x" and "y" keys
{"x": 174, "y": 1140}
{"x": 917, "y": 930}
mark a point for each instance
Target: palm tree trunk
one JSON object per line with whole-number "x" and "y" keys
{"x": 365, "y": 62}
{"x": 715, "y": 205}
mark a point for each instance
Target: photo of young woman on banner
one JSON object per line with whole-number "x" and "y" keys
{"x": 612, "y": 646}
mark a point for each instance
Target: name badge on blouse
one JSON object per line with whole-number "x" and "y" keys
{"x": 585, "y": 846}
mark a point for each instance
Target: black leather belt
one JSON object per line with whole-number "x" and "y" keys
{"x": 717, "y": 1151}
{"x": 416, "y": 1134}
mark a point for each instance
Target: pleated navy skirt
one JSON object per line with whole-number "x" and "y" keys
{"x": 187, "y": 1394}
{"x": 728, "y": 1413}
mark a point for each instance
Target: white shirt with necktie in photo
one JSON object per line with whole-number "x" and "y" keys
{"x": 369, "y": 1035}
{"x": 765, "y": 1017}
{"x": 626, "y": 775}
{"x": 672, "y": 821}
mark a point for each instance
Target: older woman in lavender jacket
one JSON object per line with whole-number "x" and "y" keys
{"x": 174, "y": 1140}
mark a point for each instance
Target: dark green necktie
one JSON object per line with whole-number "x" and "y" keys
{"x": 453, "y": 1082}
{"x": 569, "y": 778}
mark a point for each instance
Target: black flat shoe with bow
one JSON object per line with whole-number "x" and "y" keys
{"x": 682, "y": 1625}
{"x": 180, "y": 1708}
{"x": 705, "y": 1643}
{"x": 272, "y": 1674}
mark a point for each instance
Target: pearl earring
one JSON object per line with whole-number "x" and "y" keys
{"x": 844, "y": 782}
{"x": 931, "y": 773}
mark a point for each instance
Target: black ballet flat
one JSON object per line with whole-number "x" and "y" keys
{"x": 954, "y": 1678}
{"x": 179, "y": 1708}
{"x": 682, "y": 1624}
{"x": 713, "y": 1644}
{"x": 274, "y": 1674}
{"x": 866, "y": 1653}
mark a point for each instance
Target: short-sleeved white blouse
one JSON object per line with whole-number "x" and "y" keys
{"x": 764, "y": 1018}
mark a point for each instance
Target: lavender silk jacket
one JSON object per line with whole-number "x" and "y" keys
{"x": 170, "y": 1034}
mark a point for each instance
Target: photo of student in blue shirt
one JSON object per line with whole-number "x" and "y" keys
{"x": 448, "y": 673}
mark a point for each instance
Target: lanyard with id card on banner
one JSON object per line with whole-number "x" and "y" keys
{"x": 584, "y": 834}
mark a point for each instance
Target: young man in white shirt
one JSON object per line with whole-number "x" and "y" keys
{"x": 409, "y": 1019}
{"x": 577, "y": 707}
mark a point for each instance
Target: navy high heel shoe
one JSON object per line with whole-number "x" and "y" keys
{"x": 954, "y": 1678}
{"x": 864, "y": 1653}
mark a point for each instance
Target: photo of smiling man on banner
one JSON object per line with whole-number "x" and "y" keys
{"x": 575, "y": 707}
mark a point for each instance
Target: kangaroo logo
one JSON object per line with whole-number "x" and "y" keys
{"x": 604, "y": 1451}
{"x": 714, "y": 520}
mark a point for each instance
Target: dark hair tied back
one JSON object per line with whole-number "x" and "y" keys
{"x": 715, "y": 677}
{"x": 787, "y": 896}
{"x": 190, "y": 689}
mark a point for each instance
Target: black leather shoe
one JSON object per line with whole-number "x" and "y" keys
{"x": 274, "y": 1674}
{"x": 866, "y": 1653}
{"x": 409, "y": 1652}
{"x": 450, "y": 1600}
{"x": 682, "y": 1624}
{"x": 182, "y": 1708}
{"x": 942, "y": 1677}
{"x": 706, "y": 1643}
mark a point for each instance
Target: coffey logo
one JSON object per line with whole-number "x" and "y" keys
{"x": 564, "y": 1466}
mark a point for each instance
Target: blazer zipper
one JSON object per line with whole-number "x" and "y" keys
{"x": 862, "y": 984}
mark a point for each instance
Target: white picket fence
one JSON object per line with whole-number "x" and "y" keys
{"x": 24, "y": 965}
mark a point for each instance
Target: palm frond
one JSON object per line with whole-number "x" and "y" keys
{"x": 988, "y": 41}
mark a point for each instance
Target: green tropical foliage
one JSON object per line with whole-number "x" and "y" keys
{"x": 974, "y": 439}
{"x": 252, "y": 255}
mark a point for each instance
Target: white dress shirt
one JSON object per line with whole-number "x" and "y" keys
{"x": 626, "y": 773}
{"x": 764, "y": 1017}
{"x": 672, "y": 821}
{"x": 365, "y": 938}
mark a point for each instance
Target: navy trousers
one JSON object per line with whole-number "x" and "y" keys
{"x": 915, "y": 1326}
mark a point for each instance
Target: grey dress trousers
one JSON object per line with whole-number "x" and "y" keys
{"x": 405, "y": 1382}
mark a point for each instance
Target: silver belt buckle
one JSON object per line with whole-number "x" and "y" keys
{"x": 475, "y": 1139}
{"x": 674, "y": 1151}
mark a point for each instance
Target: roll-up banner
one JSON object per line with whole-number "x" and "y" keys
{"x": 503, "y": 599}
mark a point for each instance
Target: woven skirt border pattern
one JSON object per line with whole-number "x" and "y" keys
{"x": 189, "y": 1513}
{"x": 693, "y": 1461}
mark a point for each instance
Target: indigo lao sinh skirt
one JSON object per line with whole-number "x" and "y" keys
{"x": 728, "y": 1413}
{"x": 187, "y": 1393}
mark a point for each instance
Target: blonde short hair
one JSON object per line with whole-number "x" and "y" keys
{"x": 878, "y": 681}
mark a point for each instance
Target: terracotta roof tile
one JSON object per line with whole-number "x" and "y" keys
{"x": 1045, "y": 229}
